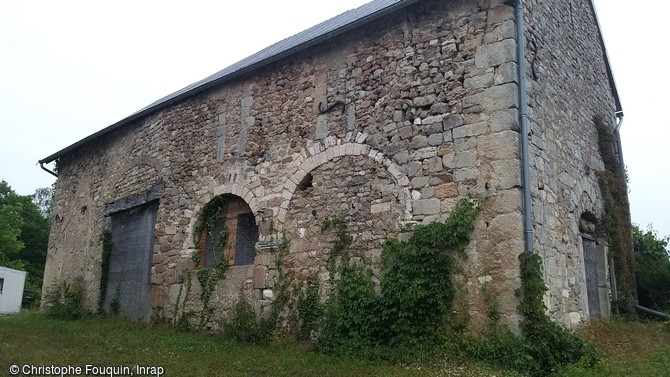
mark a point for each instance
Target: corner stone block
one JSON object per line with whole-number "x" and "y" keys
{"x": 506, "y": 174}
{"x": 470, "y": 130}
{"x": 495, "y": 98}
{"x": 507, "y": 72}
{"x": 499, "y": 14}
{"x": 495, "y": 54}
{"x": 426, "y": 206}
{"x": 499, "y": 146}
{"x": 479, "y": 82}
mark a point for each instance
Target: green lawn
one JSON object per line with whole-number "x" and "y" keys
{"x": 30, "y": 338}
{"x": 631, "y": 349}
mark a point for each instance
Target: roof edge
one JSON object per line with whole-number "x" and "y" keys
{"x": 608, "y": 66}
{"x": 203, "y": 85}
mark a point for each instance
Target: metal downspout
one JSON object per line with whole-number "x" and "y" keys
{"x": 47, "y": 170}
{"x": 523, "y": 124}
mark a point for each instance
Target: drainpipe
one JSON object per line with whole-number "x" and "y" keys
{"x": 47, "y": 170}
{"x": 619, "y": 118}
{"x": 523, "y": 122}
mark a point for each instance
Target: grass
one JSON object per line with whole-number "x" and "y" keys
{"x": 29, "y": 338}
{"x": 630, "y": 348}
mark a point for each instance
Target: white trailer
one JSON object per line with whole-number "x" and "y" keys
{"x": 11, "y": 290}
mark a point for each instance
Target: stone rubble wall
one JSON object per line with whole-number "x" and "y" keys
{"x": 568, "y": 86}
{"x": 430, "y": 115}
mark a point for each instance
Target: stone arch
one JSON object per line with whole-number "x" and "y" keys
{"x": 330, "y": 148}
{"x": 134, "y": 176}
{"x": 231, "y": 188}
{"x": 236, "y": 224}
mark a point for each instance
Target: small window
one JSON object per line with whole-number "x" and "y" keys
{"x": 234, "y": 235}
{"x": 2, "y": 283}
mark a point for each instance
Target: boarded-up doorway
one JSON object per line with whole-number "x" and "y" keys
{"x": 591, "y": 269}
{"x": 129, "y": 277}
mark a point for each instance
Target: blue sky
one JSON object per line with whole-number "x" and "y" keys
{"x": 72, "y": 67}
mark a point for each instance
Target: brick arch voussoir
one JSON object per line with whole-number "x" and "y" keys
{"x": 331, "y": 148}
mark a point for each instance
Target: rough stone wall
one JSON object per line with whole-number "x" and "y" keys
{"x": 430, "y": 115}
{"x": 568, "y": 86}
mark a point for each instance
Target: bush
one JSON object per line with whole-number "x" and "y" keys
{"x": 243, "y": 326}
{"x": 64, "y": 301}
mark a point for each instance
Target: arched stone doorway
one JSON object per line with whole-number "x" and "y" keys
{"x": 228, "y": 232}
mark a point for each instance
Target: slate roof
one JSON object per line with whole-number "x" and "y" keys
{"x": 322, "y": 32}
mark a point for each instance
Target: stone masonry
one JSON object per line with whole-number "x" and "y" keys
{"x": 428, "y": 114}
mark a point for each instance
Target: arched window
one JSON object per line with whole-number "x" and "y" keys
{"x": 232, "y": 232}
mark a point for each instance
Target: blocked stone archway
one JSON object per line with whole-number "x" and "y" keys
{"x": 331, "y": 148}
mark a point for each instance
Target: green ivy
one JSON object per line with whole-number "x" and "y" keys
{"x": 416, "y": 290}
{"x": 548, "y": 346}
{"x": 616, "y": 219}
{"x": 310, "y": 310}
{"x": 243, "y": 326}
{"x": 342, "y": 242}
{"x": 281, "y": 286}
{"x": 107, "y": 247}
{"x": 210, "y": 215}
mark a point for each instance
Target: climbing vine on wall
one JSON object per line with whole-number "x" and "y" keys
{"x": 616, "y": 218}
{"x": 107, "y": 247}
{"x": 210, "y": 215}
{"x": 415, "y": 290}
{"x": 207, "y": 276}
{"x": 546, "y": 346}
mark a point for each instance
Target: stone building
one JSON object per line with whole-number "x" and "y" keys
{"x": 384, "y": 115}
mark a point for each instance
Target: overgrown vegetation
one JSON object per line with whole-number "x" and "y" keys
{"x": 208, "y": 276}
{"x": 652, "y": 269}
{"x": 210, "y": 216}
{"x": 107, "y": 247}
{"x": 64, "y": 301}
{"x": 549, "y": 346}
{"x": 24, "y": 235}
{"x": 410, "y": 309}
{"x": 243, "y": 326}
{"x": 415, "y": 289}
{"x": 616, "y": 219}
{"x": 29, "y": 338}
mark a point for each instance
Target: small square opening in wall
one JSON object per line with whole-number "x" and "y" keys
{"x": 2, "y": 283}
{"x": 305, "y": 183}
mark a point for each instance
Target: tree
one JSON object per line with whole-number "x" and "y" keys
{"x": 652, "y": 268}
{"x": 43, "y": 198}
{"x": 24, "y": 234}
